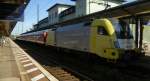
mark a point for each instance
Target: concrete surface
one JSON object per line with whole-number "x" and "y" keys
{"x": 8, "y": 68}
{"x": 12, "y": 65}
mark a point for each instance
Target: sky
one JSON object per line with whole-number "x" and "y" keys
{"x": 30, "y": 13}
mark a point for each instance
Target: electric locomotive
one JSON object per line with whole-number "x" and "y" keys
{"x": 107, "y": 38}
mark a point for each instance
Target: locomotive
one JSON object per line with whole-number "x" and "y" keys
{"x": 106, "y": 38}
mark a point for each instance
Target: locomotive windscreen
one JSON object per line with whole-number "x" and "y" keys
{"x": 122, "y": 29}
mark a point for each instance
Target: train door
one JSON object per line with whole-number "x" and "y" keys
{"x": 45, "y": 37}
{"x": 51, "y": 37}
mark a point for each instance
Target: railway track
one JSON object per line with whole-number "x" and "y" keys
{"x": 61, "y": 72}
{"x": 81, "y": 69}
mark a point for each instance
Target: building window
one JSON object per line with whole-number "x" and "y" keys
{"x": 49, "y": 17}
{"x": 52, "y": 17}
{"x": 55, "y": 14}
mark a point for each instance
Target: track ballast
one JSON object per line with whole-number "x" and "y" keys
{"x": 82, "y": 69}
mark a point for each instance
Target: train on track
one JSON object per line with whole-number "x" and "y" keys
{"x": 107, "y": 38}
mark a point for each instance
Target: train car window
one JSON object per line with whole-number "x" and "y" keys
{"x": 101, "y": 30}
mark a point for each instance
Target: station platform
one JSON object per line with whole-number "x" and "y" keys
{"x": 17, "y": 65}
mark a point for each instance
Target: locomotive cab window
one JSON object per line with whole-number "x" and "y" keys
{"x": 101, "y": 30}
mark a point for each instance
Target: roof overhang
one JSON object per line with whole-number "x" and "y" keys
{"x": 134, "y": 9}
{"x": 119, "y": 1}
{"x": 11, "y": 11}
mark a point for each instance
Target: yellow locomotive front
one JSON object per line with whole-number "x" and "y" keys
{"x": 111, "y": 39}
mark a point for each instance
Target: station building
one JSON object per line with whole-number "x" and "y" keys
{"x": 54, "y": 11}
{"x": 41, "y": 24}
{"x": 62, "y": 12}
{"x": 85, "y": 7}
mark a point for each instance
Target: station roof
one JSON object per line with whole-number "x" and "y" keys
{"x": 11, "y": 9}
{"x": 137, "y": 8}
{"x": 10, "y": 12}
{"x": 59, "y": 4}
{"x": 109, "y": 0}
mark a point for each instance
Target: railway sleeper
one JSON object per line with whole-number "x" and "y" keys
{"x": 61, "y": 74}
{"x": 59, "y": 71}
{"x": 69, "y": 78}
